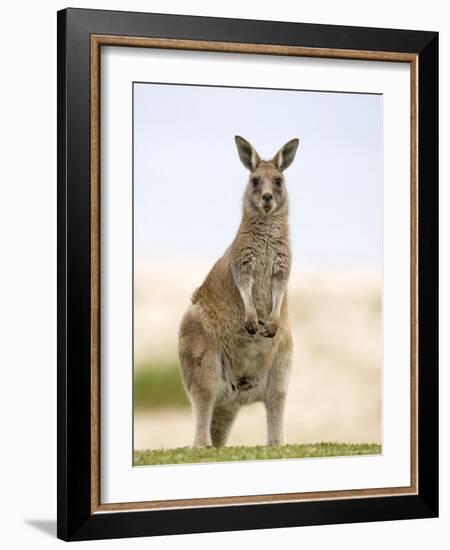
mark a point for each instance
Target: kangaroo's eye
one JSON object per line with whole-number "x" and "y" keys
{"x": 255, "y": 182}
{"x": 277, "y": 182}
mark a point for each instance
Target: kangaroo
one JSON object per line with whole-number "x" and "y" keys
{"x": 235, "y": 344}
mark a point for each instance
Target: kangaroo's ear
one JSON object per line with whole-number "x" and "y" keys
{"x": 285, "y": 156}
{"x": 248, "y": 155}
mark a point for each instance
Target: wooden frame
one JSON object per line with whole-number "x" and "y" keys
{"x": 81, "y": 34}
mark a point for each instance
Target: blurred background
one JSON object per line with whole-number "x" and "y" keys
{"x": 188, "y": 185}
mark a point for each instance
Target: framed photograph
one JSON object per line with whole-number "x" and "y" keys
{"x": 248, "y": 264}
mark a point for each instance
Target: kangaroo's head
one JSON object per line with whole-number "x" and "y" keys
{"x": 266, "y": 191}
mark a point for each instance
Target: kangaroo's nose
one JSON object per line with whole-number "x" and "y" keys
{"x": 267, "y": 197}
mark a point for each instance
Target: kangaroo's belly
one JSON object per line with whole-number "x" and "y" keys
{"x": 255, "y": 356}
{"x": 245, "y": 370}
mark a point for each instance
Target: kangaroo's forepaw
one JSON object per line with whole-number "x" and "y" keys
{"x": 251, "y": 326}
{"x": 270, "y": 329}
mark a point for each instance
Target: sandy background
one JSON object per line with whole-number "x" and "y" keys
{"x": 335, "y": 387}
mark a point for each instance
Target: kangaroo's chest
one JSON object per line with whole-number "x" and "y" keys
{"x": 265, "y": 259}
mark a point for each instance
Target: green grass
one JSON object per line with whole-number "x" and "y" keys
{"x": 224, "y": 454}
{"x": 158, "y": 385}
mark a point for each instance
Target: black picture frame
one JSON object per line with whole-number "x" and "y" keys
{"x": 75, "y": 518}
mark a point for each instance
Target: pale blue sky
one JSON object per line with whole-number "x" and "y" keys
{"x": 189, "y": 181}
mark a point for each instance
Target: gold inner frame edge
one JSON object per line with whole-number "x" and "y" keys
{"x": 233, "y": 47}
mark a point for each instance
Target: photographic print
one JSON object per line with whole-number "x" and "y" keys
{"x": 257, "y": 273}
{"x": 247, "y": 274}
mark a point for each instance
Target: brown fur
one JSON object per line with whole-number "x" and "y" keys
{"x": 235, "y": 344}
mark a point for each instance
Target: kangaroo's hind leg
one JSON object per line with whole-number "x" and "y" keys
{"x": 201, "y": 373}
{"x": 221, "y": 423}
{"x": 204, "y": 391}
{"x": 275, "y": 394}
{"x": 202, "y": 406}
